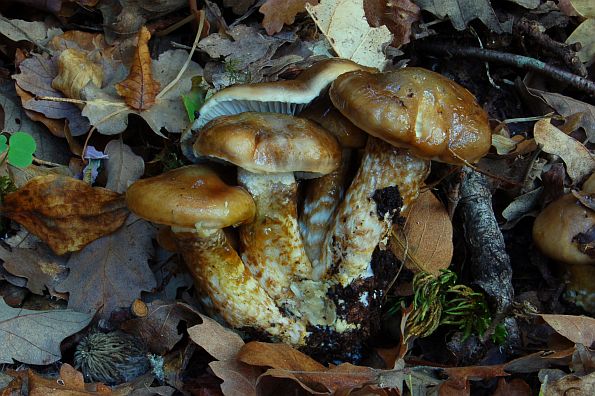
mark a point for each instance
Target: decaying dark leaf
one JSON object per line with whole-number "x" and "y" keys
{"x": 64, "y": 212}
{"x": 123, "y": 166}
{"x": 112, "y": 271}
{"x": 461, "y": 12}
{"x": 42, "y": 268}
{"x": 397, "y": 15}
{"x": 159, "y": 328}
{"x": 34, "y": 337}
{"x": 139, "y": 89}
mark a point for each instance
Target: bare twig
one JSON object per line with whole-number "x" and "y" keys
{"x": 522, "y": 62}
{"x": 535, "y": 31}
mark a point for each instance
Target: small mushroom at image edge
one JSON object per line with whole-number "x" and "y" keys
{"x": 197, "y": 205}
{"x": 565, "y": 232}
{"x": 268, "y": 148}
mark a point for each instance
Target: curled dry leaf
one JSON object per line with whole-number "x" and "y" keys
{"x": 239, "y": 379}
{"x": 75, "y": 71}
{"x": 64, "y": 212}
{"x": 578, "y": 329}
{"x": 139, "y": 89}
{"x": 279, "y": 12}
{"x": 71, "y": 383}
{"x": 578, "y": 159}
{"x": 344, "y": 24}
{"x": 426, "y": 238}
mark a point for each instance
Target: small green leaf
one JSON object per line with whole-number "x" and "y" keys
{"x": 3, "y": 145}
{"x": 194, "y": 99}
{"x": 20, "y": 150}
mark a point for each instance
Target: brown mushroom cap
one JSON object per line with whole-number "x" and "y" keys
{"x": 270, "y": 143}
{"x": 414, "y": 108}
{"x": 287, "y": 97}
{"x": 556, "y": 227}
{"x": 188, "y": 197}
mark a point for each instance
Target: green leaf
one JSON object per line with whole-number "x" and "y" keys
{"x": 3, "y": 145}
{"x": 194, "y": 100}
{"x": 20, "y": 150}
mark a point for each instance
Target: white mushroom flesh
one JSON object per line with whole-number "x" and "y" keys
{"x": 239, "y": 298}
{"x": 272, "y": 247}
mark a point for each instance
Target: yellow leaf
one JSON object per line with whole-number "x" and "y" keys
{"x": 345, "y": 26}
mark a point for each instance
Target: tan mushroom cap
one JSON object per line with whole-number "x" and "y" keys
{"x": 414, "y": 108}
{"x": 190, "y": 197}
{"x": 270, "y": 143}
{"x": 556, "y": 227}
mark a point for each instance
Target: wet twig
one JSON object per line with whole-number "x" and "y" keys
{"x": 522, "y": 62}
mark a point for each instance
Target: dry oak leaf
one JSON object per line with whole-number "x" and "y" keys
{"x": 70, "y": 383}
{"x": 111, "y": 272}
{"x": 106, "y": 110}
{"x": 239, "y": 379}
{"x": 123, "y": 167}
{"x": 33, "y": 337}
{"x": 578, "y": 329}
{"x": 139, "y": 89}
{"x": 426, "y": 237}
{"x": 279, "y": 12}
{"x": 578, "y": 159}
{"x": 344, "y": 25}
{"x": 64, "y": 212}
{"x": 35, "y": 78}
{"x": 461, "y": 12}
{"x": 397, "y": 15}
{"x": 42, "y": 268}
{"x": 571, "y": 384}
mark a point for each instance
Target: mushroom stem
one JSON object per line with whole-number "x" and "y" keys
{"x": 239, "y": 298}
{"x": 321, "y": 200}
{"x": 360, "y": 224}
{"x": 272, "y": 245}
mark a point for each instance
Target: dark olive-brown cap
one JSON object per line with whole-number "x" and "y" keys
{"x": 190, "y": 197}
{"x": 270, "y": 143}
{"x": 432, "y": 116}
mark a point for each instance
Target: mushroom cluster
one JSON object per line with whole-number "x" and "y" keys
{"x": 310, "y": 274}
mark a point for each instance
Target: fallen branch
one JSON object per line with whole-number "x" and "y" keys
{"x": 522, "y": 62}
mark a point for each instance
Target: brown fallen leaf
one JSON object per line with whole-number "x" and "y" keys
{"x": 578, "y": 159}
{"x": 239, "y": 379}
{"x": 159, "y": 328}
{"x": 426, "y": 238}
{"x": 279, "y": 12}
{"x": 578, "y": 329}
{"x": 397, "y": 15}
{"x": 64, "y": 212}
{"x": 70, "y": 383}
{"x": 139, "y": 89}
{"x": 112, "y": 271}
{"x": 280, "y": 356}
{"x": 123, "y": 166}
{"x": 514, "y": 387}
{"x": 75, "y": 71}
